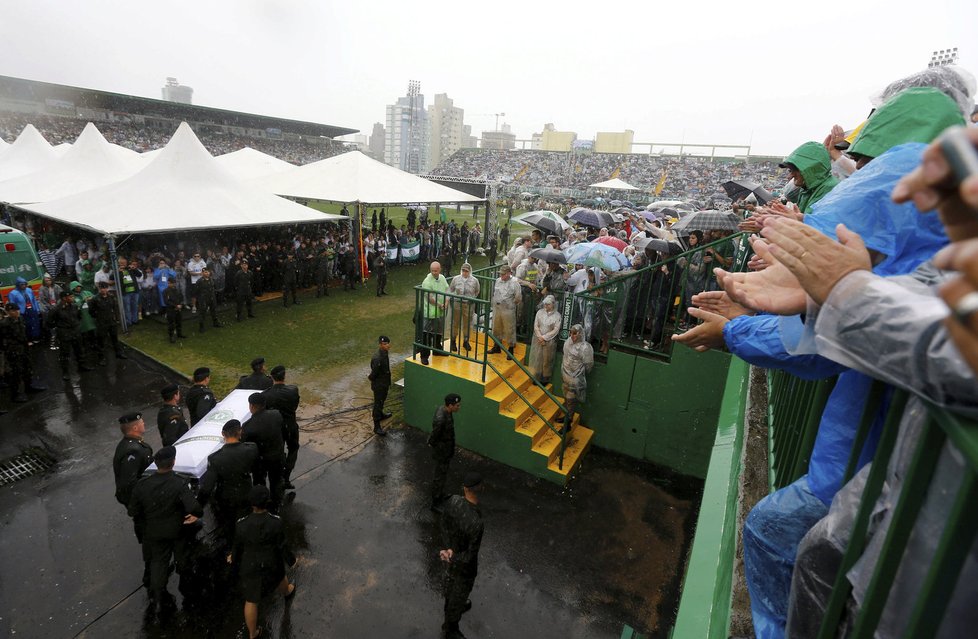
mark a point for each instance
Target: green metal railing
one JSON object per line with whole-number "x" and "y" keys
{"x": 794, "y": 410}
{"x": 435, "y": 318}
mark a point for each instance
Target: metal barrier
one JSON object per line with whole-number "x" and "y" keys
{"x": 794, "y": 411}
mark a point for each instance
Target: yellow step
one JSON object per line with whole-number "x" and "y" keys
{"x": 580, "y": 442}
{"x": 534, "y": 427}
{"x": 519, "y": 408}
{"x": 504, "y": 394}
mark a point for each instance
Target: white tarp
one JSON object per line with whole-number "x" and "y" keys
{"x": 247, "y": 163}
{"x": 182, "y": 189}
{"x": 61, "y": 149}
{"x": 90, "y": 162}
{"x": 354, "y": 177}
{"x": 205, "y": 437}
{"x": 30, "y": 152}
{"x": 615, "y": 185}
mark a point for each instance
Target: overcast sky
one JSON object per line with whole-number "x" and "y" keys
{"x": 773, "y": 73}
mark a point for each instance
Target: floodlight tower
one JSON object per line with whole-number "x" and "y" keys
{"x": 943, "y": 57}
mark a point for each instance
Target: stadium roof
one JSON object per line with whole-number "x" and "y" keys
{"x": 182, "y": 189}
{"x": 89, "y": 163}
{"x": 355, "y": 177}
{"x": 21, "y": 90}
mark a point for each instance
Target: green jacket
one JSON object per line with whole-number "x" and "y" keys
{"x": 433, "y": 303}
{"x": 813, "y": 162}
{"x": 81, "y": 301}
{"x": 914, "y": 115}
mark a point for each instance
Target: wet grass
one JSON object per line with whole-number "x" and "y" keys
{"x": 317, "y": 341}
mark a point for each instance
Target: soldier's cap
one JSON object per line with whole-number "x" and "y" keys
{"x": 259, "y": 496}
{"x": 244, "y": 261}
{"x": 165, "y": 454}
{"x": 64, "y": 294}
{"x": 168, "y": 391}
{"x": 472, "y": 480}
{"x": 11, "y": 306}
{"x": 257, "y": 363}
{"x": 384, "y": 340}
{"x": 257, "y": 399}
{"x": 466, "y": 266}
{"x": 202, "y": 372}
{"x": 103, "y": 285}
{"x": 129, "y": 418}
{"x": 277, "y": 372}
{"x": 230, "y": 427}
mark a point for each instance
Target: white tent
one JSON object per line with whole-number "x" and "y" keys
{"x": 29, "y": 152}
{"x": 90, "y": 162}
{"x": 615, "y": 185}
{"x": 61, "y": 149}
{"x": 182, "y": 189}
{"x": 247, "y": 163}
{"x": 354, "y": 177}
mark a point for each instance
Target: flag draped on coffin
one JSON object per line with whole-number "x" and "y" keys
{"x": 410, "y": 251}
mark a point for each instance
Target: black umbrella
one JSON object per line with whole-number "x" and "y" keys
{"x": 654, "y": 245}
{"x": 592, "y": 218}
{"x": 707, "y": 221}
{"x": 549, "y": 254}
{"x": 739, "y": 189}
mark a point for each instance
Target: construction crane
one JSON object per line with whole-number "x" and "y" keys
{"x": 490, "y": 115}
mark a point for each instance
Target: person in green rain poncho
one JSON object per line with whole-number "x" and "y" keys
{"x": 86, "y": 278}
{"x": 87, "y": 327}
{"x": 810, "y": 166}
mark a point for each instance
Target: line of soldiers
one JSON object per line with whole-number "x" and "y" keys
{"x": 278, "y": 267}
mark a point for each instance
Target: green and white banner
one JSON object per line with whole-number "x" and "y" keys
{"x": 409, "y": 252}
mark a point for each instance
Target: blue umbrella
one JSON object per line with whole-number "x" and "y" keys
{"x": 602, "y": 261}
{"x": 579, "y": 253}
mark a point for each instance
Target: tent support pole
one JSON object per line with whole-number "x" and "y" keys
{"x": 114, "y": 258}
{"x": 361, "y": 254}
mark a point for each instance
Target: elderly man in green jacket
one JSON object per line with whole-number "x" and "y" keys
{"x": 810, "y": 166}
{"x": 433, "y": 309}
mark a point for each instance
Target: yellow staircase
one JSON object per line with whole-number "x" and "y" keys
{"x": 515, "y": 406}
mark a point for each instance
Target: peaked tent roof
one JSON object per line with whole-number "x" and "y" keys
{"x": 184, "y": 189}
{"x": 29, "y": 152}
{"x": 615, "y": 185}
{"x": 247, "y": 163}
{"x": 354, "y": 177}
{"x": 89, "y": 163}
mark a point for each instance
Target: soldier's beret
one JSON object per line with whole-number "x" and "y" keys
{"x": 129, "y": 418}
{"x": 278, "y": 370}
{"x": 203, "y": 371}
{"x": 472, "y": 480}
{"x": 384, "y": 339}
{"x": 103, "y": 285}
{"x": 259, "y": 496}
{"x": 256, "y": 399}
{"x": 257, "y": 363}
{"x": 165, "y": 454}
{"x": 168, "y": 391}
{"x": 230, "y": 427}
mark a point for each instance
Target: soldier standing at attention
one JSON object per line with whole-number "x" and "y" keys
{"x": 161, "y": 505}
{"x": 170, "y": 419}
{"x": 380, "y": 270}
{"x": 65, "y": 319}
{"x": 322, "y": 270}
{"x": 207, "y": 299}
{"x": 285, "y": 399}
{"x": 13, "y": 336}
{"x": 442, "y": 442}
{"x": 228, "y": 480}
{"x": 461, "y": 528}
{"x": 266, "y": 429}
{"x": 132, "y": 456}
{"x": 174, "y": 312}
{"x": 242, "y": 290}
{"x": 258, "y": 380}
{"x": 380, "y": 382}
{"x": 200, "y": 398}
{"x": 104, "y": 308}
{"x": 290, "y": 279}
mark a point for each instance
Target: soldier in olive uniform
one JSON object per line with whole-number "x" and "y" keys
{"x": 322, "y": 270}
{"x": 266, "y": 429}
{"x": 442, "y": 442}
{"x": 258, "y": 380}
{"x": 170, "y": 418}
{"x": 207, "y": 299}
{"x": 65, "y": 318}
{"x": 132, "y": 456}
{"x": 380, "y": 271}
{"x": 461, "y": 528}
{"x": 228, "y": 480}
{"x": 200, "y": 398}
{"x": 242, "y": 290}
{"x": 174, "y": 312}
{"x": 285, "y": 399}
{"x": 380, "y": 381}
{"x": 161, "y": 506}
{"x": 13, "y": 334}
{"x": 104, "y": 309}
{"x": 290, "y": 279}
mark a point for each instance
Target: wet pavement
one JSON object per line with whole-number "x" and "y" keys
{"x": 578, "y": 562}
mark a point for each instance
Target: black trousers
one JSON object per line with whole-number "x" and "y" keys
{"x": 174, "y": 321}
{"x": 381, "y": 282}
{"x": 110, "y": 334}
{"x": 439, "y": 477}
{"x": 271, "y": 469}
{"x": 242, "y": 302}
{"x": 66, "y": 347}
{"x": 159, "y": 553}
{"x": 205, "y": 306}
{"x": 458, "y": 586}
{"x": 288, "y": 287}
{"x": 380, "y": 396}
{"x": 291, "y": 445}
{"x": 226, "y": 515}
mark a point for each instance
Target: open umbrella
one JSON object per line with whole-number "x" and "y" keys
{"x": 549, "y": 254}
{"x": 579, "y": 253}
{"x": 547, "y": 221}
{"x": 655, "y": 245}
{"x": 739, "y": 189}
{"x": 707, "y": 221}
{"x": 613, "y": 242}
{"x": 592, "y": 218}
{"x": 602, "y": 261}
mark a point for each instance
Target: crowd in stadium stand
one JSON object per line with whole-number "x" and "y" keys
{"x": 141, "y": 138}
{"x": 687, "y": 177}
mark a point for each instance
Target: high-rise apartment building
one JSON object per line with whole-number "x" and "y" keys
{"x": 406, "y": 138}
{"x": 173, "y": 91}
{"x": 375, "y": 145}
{"x": 447, "y": 130}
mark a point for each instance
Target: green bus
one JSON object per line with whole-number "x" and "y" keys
{"x": 18, "y": 259}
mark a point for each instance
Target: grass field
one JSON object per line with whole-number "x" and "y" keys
{"x": 325, "y": 343}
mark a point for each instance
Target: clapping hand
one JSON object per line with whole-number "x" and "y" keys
{"x": 773, "y": 290}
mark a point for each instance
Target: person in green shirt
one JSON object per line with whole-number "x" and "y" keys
{"x": 433, "y": 311}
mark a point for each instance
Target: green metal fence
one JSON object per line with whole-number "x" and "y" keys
{"x": 794, "y": 410}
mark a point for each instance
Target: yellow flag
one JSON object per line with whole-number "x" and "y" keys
{"x": 616, "y": 173}
{"x": 661, "y": 185}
